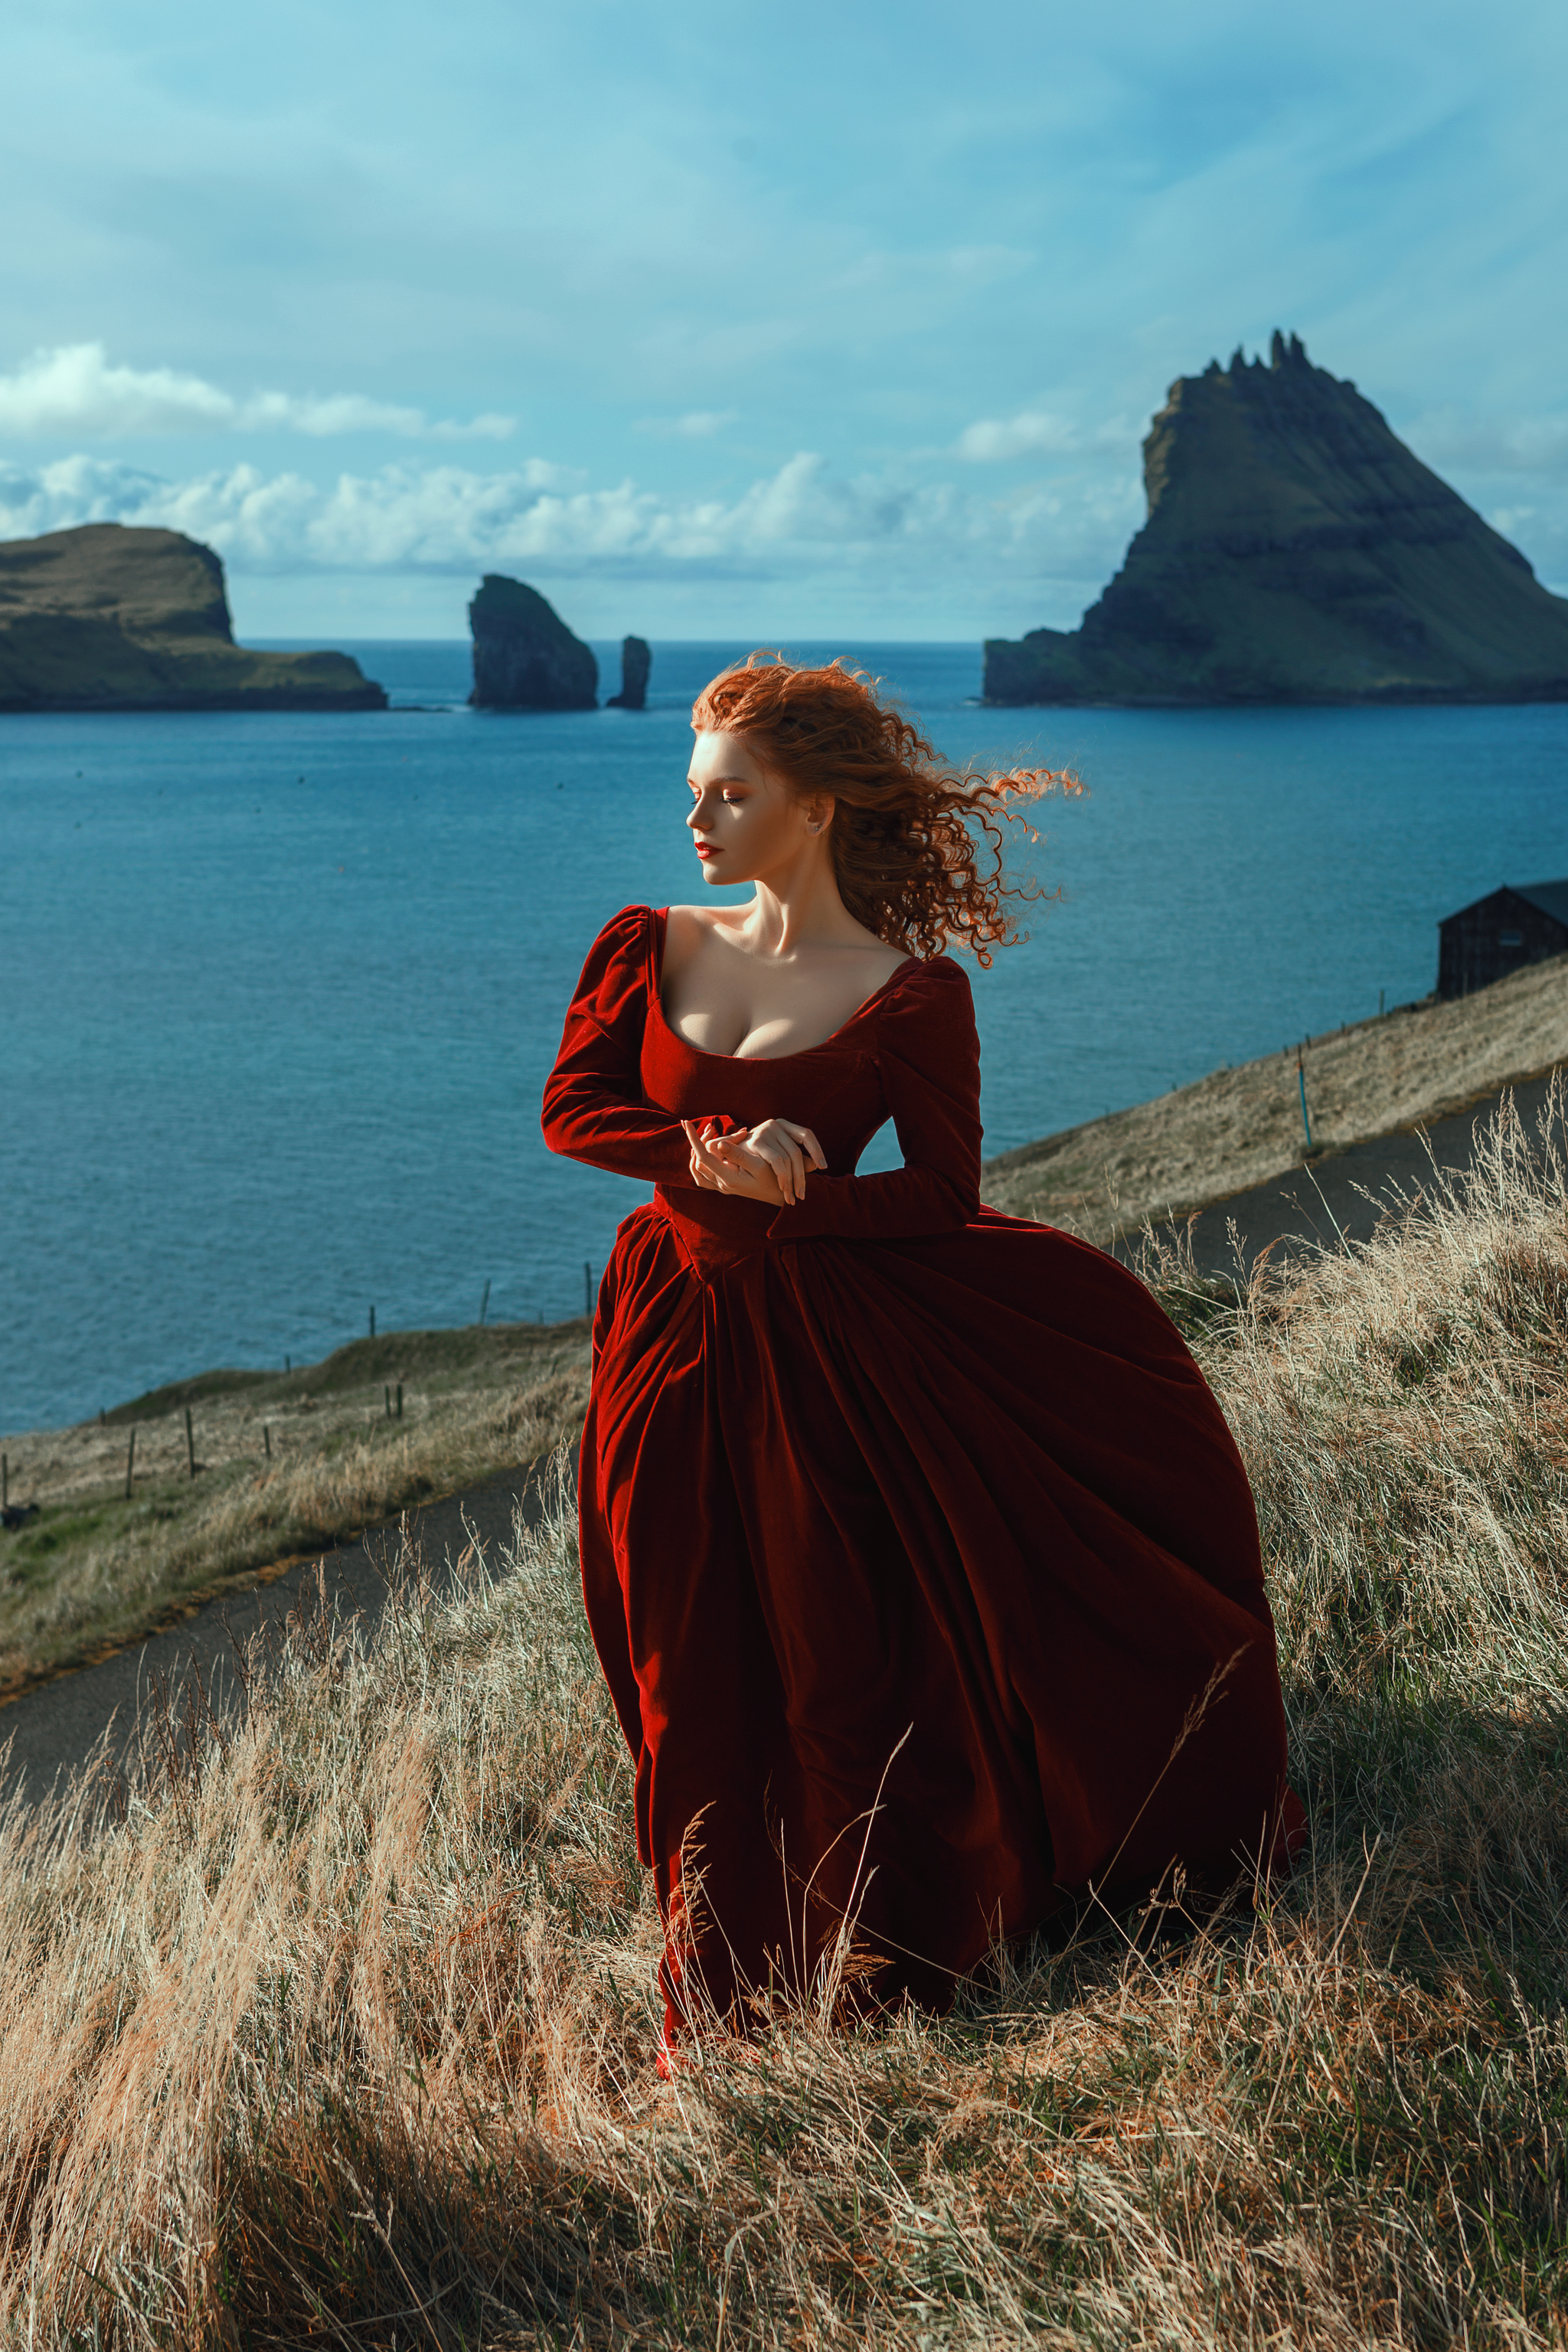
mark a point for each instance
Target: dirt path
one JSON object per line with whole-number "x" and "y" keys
{"x": 1328, "y": 1201}
{"x": 53, "y": 1728}
{"x": 1239, "y": 1132}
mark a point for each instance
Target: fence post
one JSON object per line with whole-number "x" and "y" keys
{"x": 130, "y": 1461}
{"x": 190, "y": 1442}
{"x": 1301, "y": 1082}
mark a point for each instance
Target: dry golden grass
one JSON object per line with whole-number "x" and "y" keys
{"x": 340, "y": 2027}
{"x": 1242, "y": 1127}
{"x": 96, "y": 1567}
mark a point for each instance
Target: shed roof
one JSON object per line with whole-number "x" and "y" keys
{"x": 1552, "y": 898}
{"x": 1548, "y": 897}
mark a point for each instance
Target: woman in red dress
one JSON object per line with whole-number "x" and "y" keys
{"x": 921, "y": 1563}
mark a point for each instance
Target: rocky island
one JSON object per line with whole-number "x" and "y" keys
{"x": 525, "y": 657}
{"x": 110, "y": 617}
{"x": 1296, "y": 552}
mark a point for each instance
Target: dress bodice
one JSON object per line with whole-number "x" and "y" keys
{"x": 625, "y": 1079}
{"x": 834, "y": 1088}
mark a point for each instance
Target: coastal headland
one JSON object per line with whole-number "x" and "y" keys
{"x": 1296, "y": 551}
{"x": 111, "y": 617}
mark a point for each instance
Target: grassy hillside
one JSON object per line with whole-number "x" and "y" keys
{"x": 287, "y": 1463}
{"x": 341, "y": 2028}
{"x": 1242, "y": 1127}
{"x": 110, "y": 617}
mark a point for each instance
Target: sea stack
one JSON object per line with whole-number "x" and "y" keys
{"x": 636, "y": 661}
{"x": 1296, "y": 552}
{"x": 525, "y": 657}
{"x": 109, "y": 618}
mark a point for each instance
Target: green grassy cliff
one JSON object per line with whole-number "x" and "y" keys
{"x": 107, "y": 617}
{"x": 1296, "y": 552}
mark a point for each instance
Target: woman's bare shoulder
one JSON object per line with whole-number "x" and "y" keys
{"x": 885, "y": 960}
{"x": 685, "y": 930}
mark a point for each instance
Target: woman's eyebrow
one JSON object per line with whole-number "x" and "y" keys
{"x": 718, "y": 779}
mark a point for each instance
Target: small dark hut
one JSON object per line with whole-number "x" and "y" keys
{"x": 1496, "y": 935}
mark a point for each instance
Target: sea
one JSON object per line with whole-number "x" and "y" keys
{"x": 279, "y": 993}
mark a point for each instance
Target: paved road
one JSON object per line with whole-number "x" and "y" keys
{"x": 53, "y": 1728}
{"x": 1304, "y": 1208}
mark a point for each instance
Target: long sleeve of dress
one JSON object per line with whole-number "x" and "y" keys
{"x": 594, "y": 1105}
{"x": 928, "y": 1057}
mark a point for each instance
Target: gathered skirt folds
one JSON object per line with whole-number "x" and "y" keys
{"x": 924, "y": 1576}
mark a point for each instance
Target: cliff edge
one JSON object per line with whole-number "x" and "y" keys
{"x": 1296, "y": 552}
{"x": 110, "y": 617}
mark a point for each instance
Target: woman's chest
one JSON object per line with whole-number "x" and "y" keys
{"x": 739, "y": 1006}
{"x": 833, "y": 1089}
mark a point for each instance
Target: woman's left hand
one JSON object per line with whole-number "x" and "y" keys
{"x": 769, "y": 1163}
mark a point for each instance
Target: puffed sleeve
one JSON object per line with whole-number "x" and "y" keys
{"x": 595, "y": 1108}
{"x": 928, "y": 1056}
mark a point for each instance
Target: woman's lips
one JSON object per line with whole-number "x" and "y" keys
{"x": 706, "y": 849}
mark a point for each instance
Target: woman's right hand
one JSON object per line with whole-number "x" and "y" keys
{"x": 767, "y": 1164}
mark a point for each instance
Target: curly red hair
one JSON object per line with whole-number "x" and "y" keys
{"x": 904, "y": 830}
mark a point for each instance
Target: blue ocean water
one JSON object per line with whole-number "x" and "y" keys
{"x": 278, "y": 993}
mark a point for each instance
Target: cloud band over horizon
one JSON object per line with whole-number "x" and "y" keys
{"x": 451, "y": 520}
{"x": 1045, "y": 545}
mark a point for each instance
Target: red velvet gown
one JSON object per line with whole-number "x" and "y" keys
{"x": 911, "y": 1536}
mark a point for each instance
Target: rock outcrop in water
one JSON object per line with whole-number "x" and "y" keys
{"x": 637, "y": 662}
{"x": 109, "y": 618}
{"x": 1296, "y": 552}
{"x": 525, "y": 657}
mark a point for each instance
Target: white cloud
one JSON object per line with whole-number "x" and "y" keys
{"x": 1036, "y": 433}
{"x": 803, "y": 518}
{"x": 697, "y": 425}
{"x": 74, "y": 389}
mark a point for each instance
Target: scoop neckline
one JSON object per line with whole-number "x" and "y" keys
{"x": 659, "y": 931}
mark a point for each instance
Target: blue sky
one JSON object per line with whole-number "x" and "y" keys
{"x": 725, "y": 320}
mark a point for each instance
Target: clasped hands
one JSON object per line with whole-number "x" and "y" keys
{"x": 766, "y": 1163}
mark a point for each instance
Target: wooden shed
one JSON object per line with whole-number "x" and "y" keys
{"x": 1487, "y": 941}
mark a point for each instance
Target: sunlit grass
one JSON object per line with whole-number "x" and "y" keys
{"x": 340, "y": 2027}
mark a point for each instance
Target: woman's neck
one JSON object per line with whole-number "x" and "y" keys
{"x": 803, "y": 911}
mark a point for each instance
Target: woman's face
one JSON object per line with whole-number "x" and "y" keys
{"x": 745, "y": 821}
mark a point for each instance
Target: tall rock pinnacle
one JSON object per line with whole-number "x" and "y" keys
{"x": 1296, "y": 552}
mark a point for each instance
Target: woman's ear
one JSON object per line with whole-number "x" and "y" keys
{"x": 819, "y": 814}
